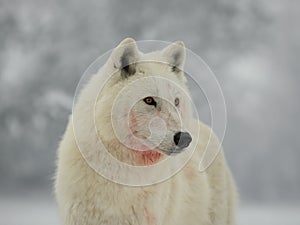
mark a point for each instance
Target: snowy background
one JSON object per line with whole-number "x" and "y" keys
{"x": 251, "y": 45}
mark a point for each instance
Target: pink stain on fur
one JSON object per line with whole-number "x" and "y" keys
{"x": 151, "y": 156}
{"x": 150, "y": 218}
{"x": 148, "y": 157}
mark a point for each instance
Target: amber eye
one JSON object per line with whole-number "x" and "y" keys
{"x": 149, "y": 101}
{"x": 176, "y": 102}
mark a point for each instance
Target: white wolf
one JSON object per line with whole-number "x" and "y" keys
{"x": 189, "y": 197}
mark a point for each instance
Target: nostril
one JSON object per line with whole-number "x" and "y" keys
{"x": 182, "y": 139}
{"x": 177, "y": 138}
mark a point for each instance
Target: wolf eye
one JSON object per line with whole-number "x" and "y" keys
{"x": 149, "y": 101}
{"x": 176, "y": 102}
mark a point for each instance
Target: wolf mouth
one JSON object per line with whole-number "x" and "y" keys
{"x": 153, "y": 156}
{"x": 173, "y": 152}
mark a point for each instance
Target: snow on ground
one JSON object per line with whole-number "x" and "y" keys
{"x": 37, "y": 211}
{"x": 269, "y": 215}
{"x": 26, "y": 211}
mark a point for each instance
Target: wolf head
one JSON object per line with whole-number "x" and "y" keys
{"x": 145, "y": 104}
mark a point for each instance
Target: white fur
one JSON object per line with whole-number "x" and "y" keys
{"x": 190, "y": 197}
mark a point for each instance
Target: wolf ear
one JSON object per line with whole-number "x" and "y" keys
{"x": 174, "y": 54}
{"x": 125, "y": 56}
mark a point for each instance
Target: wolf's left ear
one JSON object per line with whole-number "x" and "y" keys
{"x": 125, "y": 56}
{"x": 174, "y": 54}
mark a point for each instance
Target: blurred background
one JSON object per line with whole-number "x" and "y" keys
{"x": 251, "y": 45}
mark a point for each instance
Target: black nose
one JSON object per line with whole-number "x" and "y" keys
{"x": 182, "y": 139}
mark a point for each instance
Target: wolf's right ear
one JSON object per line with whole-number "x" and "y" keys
{"x": 125, "y": 56}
